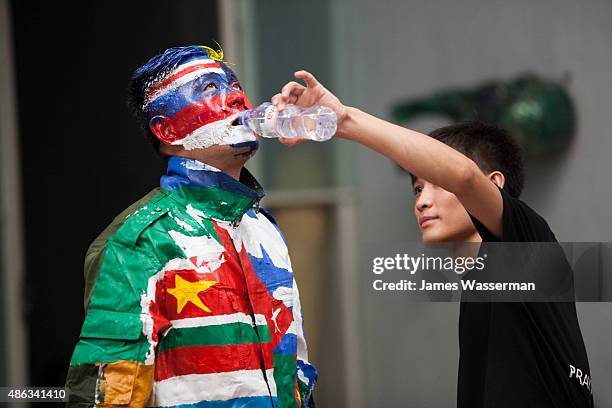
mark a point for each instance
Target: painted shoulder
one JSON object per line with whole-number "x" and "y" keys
{"x": 130, "y": 220}
{"x": 128, "y": 226}
{"x": 141, "y": 217}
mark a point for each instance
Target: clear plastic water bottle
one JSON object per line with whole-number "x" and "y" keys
{"x": 316, "y": 123}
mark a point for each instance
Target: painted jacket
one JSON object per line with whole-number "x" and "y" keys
{"x": 191, "y": 302}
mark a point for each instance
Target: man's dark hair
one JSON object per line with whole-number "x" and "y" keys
{"x": 490, "y": 147}
{"x": 155, "y": 70}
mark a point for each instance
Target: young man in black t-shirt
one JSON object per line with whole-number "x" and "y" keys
{"x": 467, "y": 180}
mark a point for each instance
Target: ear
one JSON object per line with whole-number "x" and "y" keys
{"x": 162, "y": 129}
{"x": 498, "y": 178}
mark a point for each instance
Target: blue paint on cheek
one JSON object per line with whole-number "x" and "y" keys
{"x": 253, "y": 145}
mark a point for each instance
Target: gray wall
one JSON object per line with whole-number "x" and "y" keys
{"x": 397, "y": 49}
{"x": 13, "y": 358}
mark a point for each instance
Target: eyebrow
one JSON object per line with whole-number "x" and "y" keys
{"x": 181, "y": 76}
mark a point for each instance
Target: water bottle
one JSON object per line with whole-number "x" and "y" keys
{"x": 316, "y": 123}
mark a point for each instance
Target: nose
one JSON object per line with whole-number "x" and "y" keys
{"x": 424, "y": 200}
{"x": 235, "y": 100}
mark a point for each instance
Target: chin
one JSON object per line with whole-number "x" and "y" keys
{"x": 446, "y": 237}
{"x": 429, "y": 237}
{"x": 433, "y": 236}
{"x": 432, "y": 240}
{"x": 247, "y": 149}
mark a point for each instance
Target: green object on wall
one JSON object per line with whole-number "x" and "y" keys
{"x": 538, "y": 113}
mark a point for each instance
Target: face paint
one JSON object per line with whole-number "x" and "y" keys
{"x": 220, "y": 132}
{"x": 252, "y": 146}
{"x": 194, "y": 106}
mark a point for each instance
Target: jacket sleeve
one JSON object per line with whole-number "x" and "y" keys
{"x": 306, "y": 372}
{"x": 112, "y": 364}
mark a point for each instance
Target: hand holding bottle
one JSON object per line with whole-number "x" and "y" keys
{"x": 306, "y": 96}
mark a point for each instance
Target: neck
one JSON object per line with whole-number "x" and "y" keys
{"x": 467, "y": 248}
{"x": 464, "y": 249}
{"x": 233, "y": 172}
{"x": 232, "y": 168}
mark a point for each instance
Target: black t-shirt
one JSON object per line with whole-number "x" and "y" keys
{"x": 521, "y": 354}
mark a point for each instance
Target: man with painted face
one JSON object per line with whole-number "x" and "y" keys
{"x": 467, "y": 178}
{"x": 190, "y": 298}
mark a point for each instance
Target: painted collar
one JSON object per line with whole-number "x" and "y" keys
{"x": 210, "y": 190}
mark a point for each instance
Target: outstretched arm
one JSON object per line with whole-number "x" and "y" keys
{"x": 419, "y": 154}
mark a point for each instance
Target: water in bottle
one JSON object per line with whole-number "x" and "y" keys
{"x": 316, "y": 123}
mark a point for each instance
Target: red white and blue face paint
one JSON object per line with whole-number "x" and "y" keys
{"x": 195, "y": 104}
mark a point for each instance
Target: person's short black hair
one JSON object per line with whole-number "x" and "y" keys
{"x": 490, "y": 147}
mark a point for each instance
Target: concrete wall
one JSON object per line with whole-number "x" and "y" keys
{"x": 392, "y": 50}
